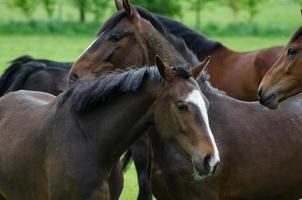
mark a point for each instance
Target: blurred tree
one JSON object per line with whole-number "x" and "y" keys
{"x": 235, "y": 6}
{"x": 26, "y": 6}
{"x": 98, "y": 8}
{"x": 82, "y": 6}
{"x": 49, "y": 6}
{"x": 198, "y": 5}
{"x": 165, "y": 7}
{"x": 252, "y": 6}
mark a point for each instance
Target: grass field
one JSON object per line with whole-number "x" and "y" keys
{"x": 68, "y": 48}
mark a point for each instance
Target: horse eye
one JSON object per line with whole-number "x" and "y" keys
{"x": 182, "y": 106}
{"x": 115, "y": 37}
{"x": 291, "y": 51}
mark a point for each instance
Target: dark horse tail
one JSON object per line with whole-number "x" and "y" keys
{"x": 16, "y": 74}
{"x": 126, "y": 160}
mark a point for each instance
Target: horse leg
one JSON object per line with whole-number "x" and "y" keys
{"x": 116, "y": 182}
{"x": 141, "y": 154}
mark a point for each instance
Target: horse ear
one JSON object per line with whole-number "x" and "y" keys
{"x": 164, "y": 70}
{"x": 118, "y": 5}
{"x": 130, "y": 10}
{"x": 200, "y": 68}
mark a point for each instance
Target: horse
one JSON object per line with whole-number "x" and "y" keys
{"x": 69, "y": 152}
{"x": 124, "y": 47}
{"x": 228, "y": 69}
{"x": 257, "y": 146}
{"x": 283, "y": 80}
{"x": 28, "y": 73}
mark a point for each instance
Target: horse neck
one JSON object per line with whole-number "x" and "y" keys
{"x": 113, "y": 127}
{"x": 158, "y": 45}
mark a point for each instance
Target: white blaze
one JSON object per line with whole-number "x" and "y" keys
{"x": 195, "y": 97}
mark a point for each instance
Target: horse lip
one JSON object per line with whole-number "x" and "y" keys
{"x": 268, "y": 100}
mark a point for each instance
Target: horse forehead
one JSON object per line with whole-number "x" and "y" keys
{"x": 195, "y": 97}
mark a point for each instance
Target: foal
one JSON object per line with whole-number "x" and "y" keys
{"x": 78, "y": 137}
{"x": 284, "y": 79}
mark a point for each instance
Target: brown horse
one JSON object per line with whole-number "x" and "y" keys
{"x": 28, "y": 73}
{"x": 77, "y": 138}
{"x": 267, "y": 142}
{"x": 228, "y": 69}
{"x": 284, "y": 79}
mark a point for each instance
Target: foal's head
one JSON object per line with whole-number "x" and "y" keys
{"x": 123, "y": 41}
{"x": 284, "y": 79}
{"x": 181, "y": 117}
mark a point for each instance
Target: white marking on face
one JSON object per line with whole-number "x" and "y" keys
{"x": 89, "y": 46}
{"x": 195, "y": 97}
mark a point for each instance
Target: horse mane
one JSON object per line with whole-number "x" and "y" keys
{"x": 198, "y": 43}
{"x": 296, "y": 35}
{"x": 87, "y": 95}
{"x": 179, "y": 43}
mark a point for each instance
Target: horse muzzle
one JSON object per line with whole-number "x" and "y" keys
{"x": 268, "y": 99}
{"x": 205, "y": 167}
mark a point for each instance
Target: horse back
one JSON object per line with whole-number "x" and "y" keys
{"x": 23, "y": 138}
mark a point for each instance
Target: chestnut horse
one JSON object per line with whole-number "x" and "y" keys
{"x": 257, "y": 146}
{"x": 284, "y": 79}
{"x": 237, "y": 73}
{"x": 80, "y": 135}
{"x": 41, "y": 75}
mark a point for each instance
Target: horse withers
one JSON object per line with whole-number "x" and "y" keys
{"x": 69, "y": 151}
{"x": 284, "y": 79}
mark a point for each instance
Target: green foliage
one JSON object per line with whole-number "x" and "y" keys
{"x": 252, "y": 6}
{"x": 298, "y": 2}
{"x": 166, "y": 7}
{"x": 98, "y": 8}
{"x": 26, "y": 6}
{"x": 49, "y": 6}
{"x": 51, "y": 27}
{"x": 234, "y": 5}
{"x": 197, "y": 6}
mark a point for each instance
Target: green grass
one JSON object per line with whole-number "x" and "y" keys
{"x": 68, "y": 48}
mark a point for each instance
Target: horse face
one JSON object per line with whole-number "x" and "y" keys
{"x": 181, "y": 118}
{"x": 119, "y": 44}
{"x": 284, "y": 78}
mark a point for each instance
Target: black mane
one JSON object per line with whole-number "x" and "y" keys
{"x": 197, "y": 42}
{"x": 87, "y": 95}
{"x": 297, "y": 34}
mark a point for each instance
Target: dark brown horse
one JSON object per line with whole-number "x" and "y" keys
{"x": 228, "y": 69}
{"x": 77, "y": 138}
{"x": 284, "y": 79}
{"x": 28, "y": 73}
{"x": 267, "y": 142}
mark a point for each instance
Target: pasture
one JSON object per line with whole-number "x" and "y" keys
{"x": 68, "y": 48}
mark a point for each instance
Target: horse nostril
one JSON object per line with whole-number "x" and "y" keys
{"x": 206, "y": 163}
{"x": 73, "y": 77}
{"x": 260, "y": 92}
